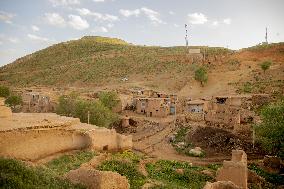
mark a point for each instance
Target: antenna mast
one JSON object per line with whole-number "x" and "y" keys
{"x": 266, "y": 35}
{"x": 186, "y": 36}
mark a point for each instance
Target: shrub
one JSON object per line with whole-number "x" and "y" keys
{"x": 14, "y": 100}
{"x": 73, "y": 106}
{"x": 271, "y": 131}
{"x": 201, "y": 75}
{"x": 265, "y": 65}
{"x": 4, "y": 91}
{"x": 14, "y": 174}
{"x": 247, "y": 88}
{"x": 128, "y": 169}
{"x": 109, "y": 99}
{"x": 66, "y": 163}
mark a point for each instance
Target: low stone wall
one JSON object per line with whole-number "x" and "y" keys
{"x": 195, "y": 116}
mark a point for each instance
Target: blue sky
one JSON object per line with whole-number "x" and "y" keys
{"x": 29, "y": 25}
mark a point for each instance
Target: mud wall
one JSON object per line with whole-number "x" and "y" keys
{"x": 35, "y": 144}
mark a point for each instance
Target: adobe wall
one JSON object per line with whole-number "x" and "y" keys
{"x": 35, "y": 144}
{"x": 5, "y": 112}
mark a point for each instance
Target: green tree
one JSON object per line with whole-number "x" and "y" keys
{"x": 109, "y": 99}
{"x": 13, "y": 101}
{"x": 271, "y": 131}
{"x": 201, "y": 75}
{"x": 265, "y": 65}
{"x": 73, "y": 106}
{"x": 4, "y": 91}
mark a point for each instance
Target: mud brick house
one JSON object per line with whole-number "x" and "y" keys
{"x": 36, "y": 102}
{"x": 153, "y": 107}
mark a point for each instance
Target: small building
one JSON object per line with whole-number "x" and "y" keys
{"x": 36, "y": 102}
{"x": 195, "y": 106}
{"x": 153, "y": 107}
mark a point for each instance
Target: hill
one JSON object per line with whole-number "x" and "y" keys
{"x": 94, "y": 61}
{"x": 102, "y": 62}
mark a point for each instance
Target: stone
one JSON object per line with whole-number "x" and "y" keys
{"x": 208, "y": 173}
{"x": 234, "y": 170}
{"x": 221, "y": 185}
{"x": 179, "y": 171}
{"x": 197, "y": 151}
{"x": 95, "y": 179}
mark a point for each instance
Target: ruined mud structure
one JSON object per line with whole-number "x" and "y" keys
{"x": 233, "y": 174}
{"x": 32, "y": 136}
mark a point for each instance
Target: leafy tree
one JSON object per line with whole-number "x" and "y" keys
{"x": 13, "y": 101}
{"x": 201, "y": 75}
{"x": 4, "y": 91}
{"x": 73, "y": 106}
{"x": 271, "y": 131}
{"x": 265, "y": 65}
{"x": 108, "y": 99}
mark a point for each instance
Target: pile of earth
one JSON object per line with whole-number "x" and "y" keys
{"x": 216, "y": 140}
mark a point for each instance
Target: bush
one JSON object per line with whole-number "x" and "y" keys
{"x": 201, "y": 75}
{"x": 14, "y": 174}
{"x": 65, "y": 163}
{"x": 136, "y": 179}
{"x": 14, "y": 100}
{"x": 271, "y": 131}
{"x": 73, "y": 106}
{"x": 109, "y": 99}
{"x": 4, "y": 91}
{"x": 248, "y": 87}
{"x": 265, "y": 65}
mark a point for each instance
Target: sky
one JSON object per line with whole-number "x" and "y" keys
{"x": 30, "y": 25}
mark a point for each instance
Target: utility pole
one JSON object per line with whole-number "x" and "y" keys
{"x": 88, "y": 117}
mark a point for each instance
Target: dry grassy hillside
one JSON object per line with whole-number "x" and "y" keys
{"x": 95, "y": 62}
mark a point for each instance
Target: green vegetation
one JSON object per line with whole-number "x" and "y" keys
{"x": 74, "y": 106}
{"x": 15, "y": 174}
{"x": 271, "y": 131}
{"x": 166, "y": 171}
{"x": 65, "y": 163}
{"x": 181, "y": 145}
{"x": 14, "y": 100}
{"x": 125, "y": 164}
{"x": 247, "y": 87}
{"x": 4, "y": 91}
{"x": 201, "y": 75}
{"x": 275, "y": 179}
{"x": 109, "y": 99}
{"x": 96, "y": 61}
{"x": 265, "y": 65}
{"x": 163, "y": 173}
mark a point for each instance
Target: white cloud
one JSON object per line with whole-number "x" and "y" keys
{"x": 38, "y": 38}
{"x": 109, "y": 25}
{"x": 149, "y": 13}
{"x": 6, "y": 17}
{"x": 172, "y": 13}
{"x": 56, "y": 3}
{"x": 227, "y": 21}
{"x": 55, "y": 19}
{"x": 215, "y": 23}
{"x": 176, "y": 25}
{"x": 197, "y": 18}
{"x": 152, "y": 15}
{"x": 100, "y": 30}
{"x": 77, "y": 22}
{"x": 128, "y": 13}
{"x": 97, "y": 16}
{"x": 13, "y": 40}
{"x": 35, "y": 28}
{"x": 99, "y": 0}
